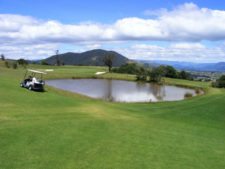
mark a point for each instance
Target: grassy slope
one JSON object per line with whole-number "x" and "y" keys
{"x": 58, "y": 129}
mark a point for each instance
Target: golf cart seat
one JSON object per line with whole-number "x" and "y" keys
{"x": 27, "y": 80}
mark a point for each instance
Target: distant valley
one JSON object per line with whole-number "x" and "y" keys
{"x": 212, "y": 67}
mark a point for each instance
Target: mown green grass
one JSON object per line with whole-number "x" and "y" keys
{"x": 61, "y": 130}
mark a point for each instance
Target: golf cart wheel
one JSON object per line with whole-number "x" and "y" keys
{"x": 30, "y": 88}
{"x": 21, "y": 85}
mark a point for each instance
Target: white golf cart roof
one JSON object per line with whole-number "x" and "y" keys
{"x": 35, "y": 71}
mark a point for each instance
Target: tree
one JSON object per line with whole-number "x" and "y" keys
{"x": 141, "y": 74}
{"x": 58, "y": 63}
{"x": 170, "y": 72}
{"x": 7, "y": 64}
{"x": 108, "y": 61}
{"x": 162, "y": 70}
{"x": 128, "y": 68}
{"x": 184, "y": 75}
{"x": 167, "y": 71}
{"x": 2, "y": 57}
{"x": 155, "y": 75}
{"x": 43, "y": 62}
{"x": 15, "y": 65}
{"x": 22, "y": 62}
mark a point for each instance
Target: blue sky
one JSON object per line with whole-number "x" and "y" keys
{"x": 139, "y": 29}
{"x": 73, "y": 11}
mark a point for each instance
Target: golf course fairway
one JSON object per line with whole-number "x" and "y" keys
{"x": 61, "y": 130}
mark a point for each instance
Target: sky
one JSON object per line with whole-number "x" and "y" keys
{"x": 176, "y": 30}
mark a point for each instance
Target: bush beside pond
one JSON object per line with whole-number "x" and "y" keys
{"x": 152, "y": 74}
{"x": 220, "y": 83}
{"x": 188, "y": 95}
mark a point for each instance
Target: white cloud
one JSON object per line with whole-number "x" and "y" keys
{"x": 192, "y": 52}
{"x": 28, "y": 51}
{"x": 185, "y": 23}
{"x": 188, "y": 46}
{"x": 93, "y": 46}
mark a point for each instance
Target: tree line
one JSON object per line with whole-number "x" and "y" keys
{"x": 152, "y": 74}
{"x": 14, "y": 63}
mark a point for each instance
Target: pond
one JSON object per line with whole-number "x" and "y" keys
{"x": 122, "y": 91}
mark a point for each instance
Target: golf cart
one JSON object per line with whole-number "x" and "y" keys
{"x": 33, "y": 80}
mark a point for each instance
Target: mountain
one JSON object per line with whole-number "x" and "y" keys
{"x": 212, "y": 67}
{"x": 89, "y": 58}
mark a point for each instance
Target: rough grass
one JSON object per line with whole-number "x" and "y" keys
{"x": 61, "y": 130}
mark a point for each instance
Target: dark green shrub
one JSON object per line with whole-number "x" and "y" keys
{"x": 220, "y": 83}
{"x": 7, "y": 64}
{"x": 188, "y": 95}
{"x": 198, "y": 91}
{"x": 14, "y": 65}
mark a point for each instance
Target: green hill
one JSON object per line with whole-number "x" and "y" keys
{"x": 89, "y": 58}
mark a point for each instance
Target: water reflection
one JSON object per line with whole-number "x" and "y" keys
{"x": 122, "y": 91}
